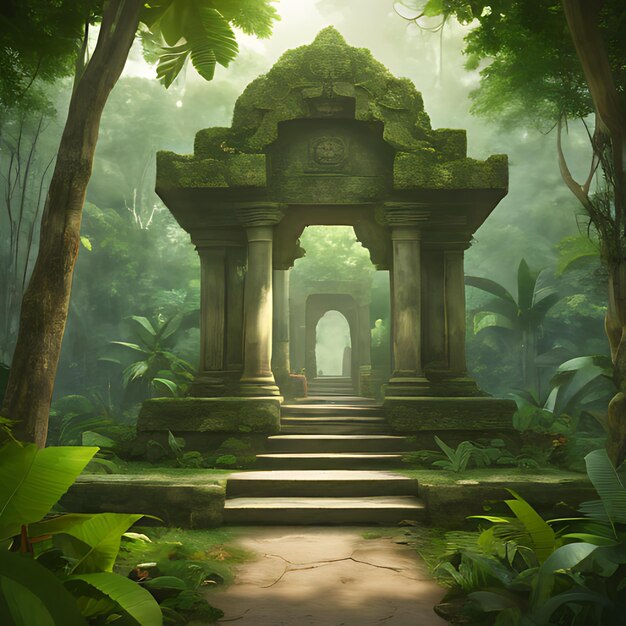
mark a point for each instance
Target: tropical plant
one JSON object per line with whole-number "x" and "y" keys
{"x": 521, "y": 317}
{"x": 550, "y": 62}
{"x": 65, "y": 562}
{"x": 158, "y": 368}
{"x": 198, "y": 30}
{"x": 525, "y": 571}
{"x": 580, "y": 386}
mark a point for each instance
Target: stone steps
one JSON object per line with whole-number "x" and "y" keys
{"x": 329, "y": 460}
{"x": 336, "y": 443}
{"x": 319, "y": 483}
{"x": 325, "y": 468}
{"x": 323, "y": 510}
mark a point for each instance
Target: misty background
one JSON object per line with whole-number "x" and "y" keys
{"x": 135, "y": 260}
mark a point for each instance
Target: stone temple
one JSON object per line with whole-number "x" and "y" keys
{"x": 328, "y": 136}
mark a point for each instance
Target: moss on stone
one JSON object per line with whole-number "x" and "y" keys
{"x": 205, "y": 415}
{"x": 422, "y": 171}
{"x": 175, "y": 501}
{"x": 306, "y": 83}
{"x": 213, "y": 143}
{"x": 176, "y": 170}
{"x": 451, "y": 143}
{"x": 246, "y": 170}
{"x": 440, "y": 414}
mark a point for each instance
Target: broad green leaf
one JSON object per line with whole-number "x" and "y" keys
{"x": 126, "y": 344}
{"x": 607, "y": 483}
{"x": 571, "y": 249}
{"x": 206, "y": 29}
{"x": 91, "y": 438}
{"x": 490, "y": 286}
{"x": 488, "y": 319}
{"x": 99, "y": 536}
{"x": 145, "y": 323}
{"x": 171, "y": 63}
{"x": 171, "y": 385}
{"x": 131, "y": 598}
{"x": 86, "y": 242}
{"x": 33, "y": 480}
{"x": 564, "y": 558}
{"x": 433, "y": 8}
{"x": 171, "y": 22}
{"x": 31, "y": 595}
{"x": 540, "y": 532}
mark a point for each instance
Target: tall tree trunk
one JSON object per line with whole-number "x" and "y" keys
{"x": 583, "y": 18}
{"x": 45, "y": 304}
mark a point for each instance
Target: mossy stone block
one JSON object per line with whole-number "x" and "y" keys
{"x": 210, "y": 415}
{"x": 175, "y": 502}
{"x": 407, "y": 414}
{"x": 448, "y": 506}
{"x": 451, "y": 143}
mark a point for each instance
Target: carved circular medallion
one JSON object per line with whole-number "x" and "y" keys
{"x": 329, "y": 151}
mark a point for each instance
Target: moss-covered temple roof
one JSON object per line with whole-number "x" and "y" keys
{"x": 311, "y": 82}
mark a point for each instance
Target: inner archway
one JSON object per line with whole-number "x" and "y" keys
{"x": 333, "y": 347}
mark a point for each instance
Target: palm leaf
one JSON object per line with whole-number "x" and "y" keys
{"x": 171, "y": 63}
{"x": 132, "y": 346}
{"x": 131, "y": 598}
{"x": 31, "y": 594}
{"x": 169, "y": 384}
{"x": 32, "y": 480}
{"x": 207, "y": 29}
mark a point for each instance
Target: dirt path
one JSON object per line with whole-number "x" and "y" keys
{"x": 328, "y": 577}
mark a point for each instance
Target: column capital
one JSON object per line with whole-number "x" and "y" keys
{"x": 405, "y": 214}
{"x": 253, "y": 214}
{"x": 215, "y": 238}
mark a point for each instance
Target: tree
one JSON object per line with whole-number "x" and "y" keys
{"x": 552, "y": 61}
{"x": 521, "y": 316}
{"x": 195, "y": 30}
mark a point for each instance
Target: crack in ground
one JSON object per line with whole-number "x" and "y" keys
{"x": 298, "y": 567}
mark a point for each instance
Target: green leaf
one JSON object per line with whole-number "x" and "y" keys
{"x": 207, "y": 30}
{"x": 433, "y": 8}
{"x": 86, "y": 243}
{"x": 490, "y": 286}
{"x": 145, "y": 323}
{"x": 541, "y": 533}
{"x": 489, "y": 319}
{"x": 607, "y": 483}
{"x": 571, "y": 249}
{"x": 91, "y": 438}
{"x": 171, "y": 385}
{"x": 98, "y": 537}
{"x": 526, "y": 281}
{"x": 132, "y": 346}
{"x": 171, "y": 63}
{"x": 32, "y": 595}
{"x": 32, "y": 480}
{"x": 131, "y": 598}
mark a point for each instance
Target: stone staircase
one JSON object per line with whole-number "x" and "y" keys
{"x": 329, "y": 465}
{"x": 330, "y": 386}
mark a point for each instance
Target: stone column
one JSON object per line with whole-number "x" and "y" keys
{"x": 280, "y": 352}
{"x": 218, "y": 316}
{"x": 407, "y": 378}
{"x": 455, "y": 311}
{"x": 257, "y": 378}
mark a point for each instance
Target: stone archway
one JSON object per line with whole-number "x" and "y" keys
{"x": 329, "y": 136}
{"x": 317, "y": 305}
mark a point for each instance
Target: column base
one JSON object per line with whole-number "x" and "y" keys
{"x": 215, "y": 384}
{"x": 258, "y": 387}
{"x": 400, "y": 385}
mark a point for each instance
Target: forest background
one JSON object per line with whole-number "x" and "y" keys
{"x": 136, "y": 261}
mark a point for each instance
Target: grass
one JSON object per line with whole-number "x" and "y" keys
{"x": 184, "y": 553}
